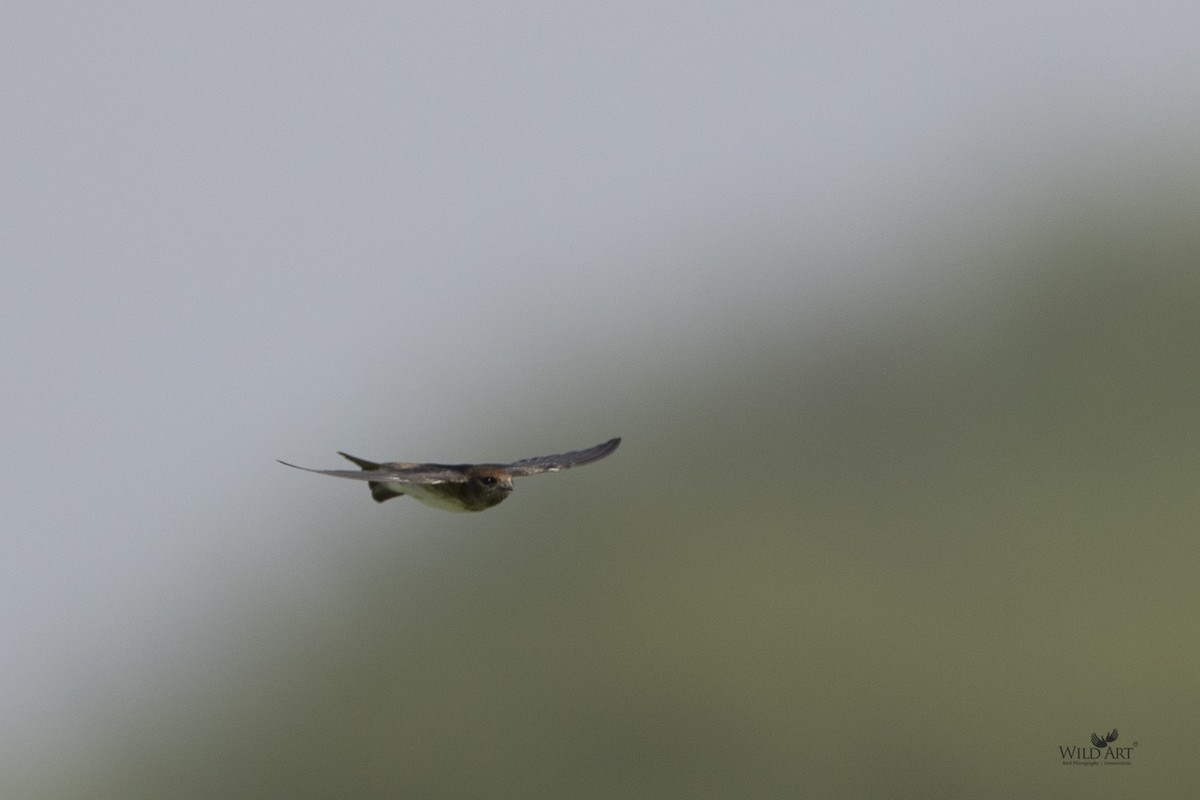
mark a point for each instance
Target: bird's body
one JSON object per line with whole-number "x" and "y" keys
{"x": 457, "y": 487}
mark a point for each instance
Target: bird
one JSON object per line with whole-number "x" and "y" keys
{"x": 1101, "y": 741}
{"x": 457, "y": 487}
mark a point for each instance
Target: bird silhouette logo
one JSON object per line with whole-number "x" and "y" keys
{"x": 1105, "y": 740}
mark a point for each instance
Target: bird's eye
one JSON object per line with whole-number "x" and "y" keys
{"x": 487, "y": 480}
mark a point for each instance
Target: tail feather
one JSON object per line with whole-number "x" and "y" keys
{"x": 379, "y": 492}
{"x": 362, "y": 462}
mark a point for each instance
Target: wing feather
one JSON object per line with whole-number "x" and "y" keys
{"x": 554, "y": 463}
{"x": 389, "y": 473}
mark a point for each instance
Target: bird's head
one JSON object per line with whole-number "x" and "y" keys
{"x": 487, "y": 486}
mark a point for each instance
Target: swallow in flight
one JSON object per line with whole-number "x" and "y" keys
{"x": 457, "y": 487}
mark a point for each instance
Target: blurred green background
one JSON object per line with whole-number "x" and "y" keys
{"x": 908, "y": 552}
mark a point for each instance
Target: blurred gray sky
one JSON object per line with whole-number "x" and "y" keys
{"x": 448, "y": 232}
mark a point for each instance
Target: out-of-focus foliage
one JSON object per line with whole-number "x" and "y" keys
{"x": 909, "y": 553}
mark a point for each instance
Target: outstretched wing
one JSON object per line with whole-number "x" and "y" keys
{"x": 532, "y": 466}
{"x": 1097, "y": 741}
{"x": 391, "y": 473}
{"x": 1112, "y": 736}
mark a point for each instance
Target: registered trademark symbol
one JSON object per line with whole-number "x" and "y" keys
{"x": 1135, "y": 742}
